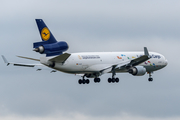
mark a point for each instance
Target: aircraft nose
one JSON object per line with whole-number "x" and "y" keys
{"x": 166, "y": 62}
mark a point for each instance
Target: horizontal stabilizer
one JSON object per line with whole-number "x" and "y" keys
{"x": 61, "y": 58}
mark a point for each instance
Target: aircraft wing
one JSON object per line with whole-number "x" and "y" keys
{"x": 60, "y": 58}
{"x": 19, "y": 64}
{"x": 128, "y": 64}
{"x": 38, "y": 67}
{"x": 139, "y": 60}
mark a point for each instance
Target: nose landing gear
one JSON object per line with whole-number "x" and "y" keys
{"x": 150, "y": 78}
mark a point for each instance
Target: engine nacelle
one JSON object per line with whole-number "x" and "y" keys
{"x": 52, "y": 49}
{"x": 51, "y": 64}
{"x": 137, "y": 71}
{"x": 40, "y": 49}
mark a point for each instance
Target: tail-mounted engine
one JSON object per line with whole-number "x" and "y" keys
{"x": 137, "y": 71}
{"x": 50, "y": 49}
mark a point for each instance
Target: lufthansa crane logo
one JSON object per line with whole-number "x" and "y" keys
{"x": 45, "y": 34}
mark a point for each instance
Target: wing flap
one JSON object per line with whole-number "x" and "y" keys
{"x": 23, "y": 65}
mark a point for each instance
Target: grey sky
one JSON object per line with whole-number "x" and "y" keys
{"x": 116, "y": 25}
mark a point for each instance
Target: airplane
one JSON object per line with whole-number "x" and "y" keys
{"x": 91, "y": 64}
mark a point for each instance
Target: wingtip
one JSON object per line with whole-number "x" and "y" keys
{"x": 5, "y": 60}
{"x": 146, "y": 52}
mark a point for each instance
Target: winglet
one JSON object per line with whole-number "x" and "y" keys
{"x": 146, "y": 52}
{"x": 5, "y": 60}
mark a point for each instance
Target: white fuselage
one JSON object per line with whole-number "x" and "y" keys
{"x": 88, "y": 62}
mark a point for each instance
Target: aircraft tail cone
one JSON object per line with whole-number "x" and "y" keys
{"x": 36, "y": 50}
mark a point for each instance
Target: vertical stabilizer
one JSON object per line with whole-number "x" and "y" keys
{"x": 44, "y": 31}
{"x": 49, "y": 45}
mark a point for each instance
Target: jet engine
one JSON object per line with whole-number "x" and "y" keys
{"x": 51, "y": 49}
{"x": 51, "y": 64}
{"x": 137, "y": 71}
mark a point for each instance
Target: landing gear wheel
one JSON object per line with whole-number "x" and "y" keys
{"x": 117, "y": 80}
{"x": 80, "y": 81}
{"x": 83, "y": 81}
{"x": 87, "y": 81}
{"x": 97, "y": 80}
{"x": 113, "y": 80}
{"x": 109, "y": 80}
{"x": 150, "y": 79}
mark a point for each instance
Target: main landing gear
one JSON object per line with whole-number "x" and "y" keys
{"x": 150, "y": 78}
{"x": 83, "y": 81}
{"x": 97, "y": 80}
{"x": 113, "y": 80}
{"x": 86, "y": 81}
